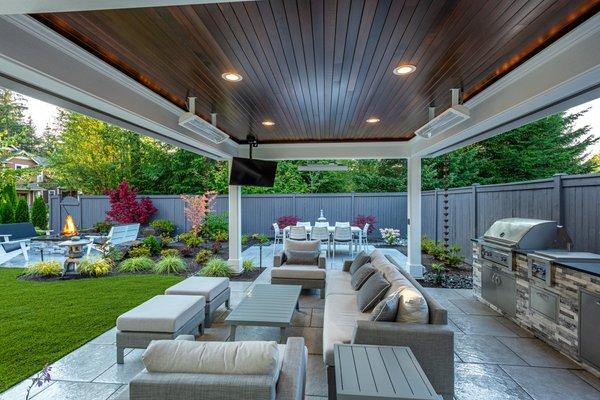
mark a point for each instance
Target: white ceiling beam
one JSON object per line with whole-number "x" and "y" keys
{"x": 563, "y": 75}
{"x": 45, "y": 65}
{"x": 332, "y": 151}
{"x": 8, "y": 7}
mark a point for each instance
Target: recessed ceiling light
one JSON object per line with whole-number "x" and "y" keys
{"x": 268, "y": 123}
{"x": 231, "y": 77}
{"x": 373, "y": 120}
{"x": 404, "y": 69}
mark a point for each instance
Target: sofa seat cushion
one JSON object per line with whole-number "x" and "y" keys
{"x": 412, "y": 307}
{"x": 338, "y": 282}
{"x": 208, "y": 287}
{"x": 161, "y": 314}
{"x": 298, "y": 272}
{"x": 222, "y": 358}
{"x": 339, "y": 319}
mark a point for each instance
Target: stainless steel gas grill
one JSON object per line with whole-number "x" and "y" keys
{"x": 510, "y": 234}
{"x": 498, "y": 246}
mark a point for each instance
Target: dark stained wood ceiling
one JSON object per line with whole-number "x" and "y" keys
{"x": 320, "y": 68}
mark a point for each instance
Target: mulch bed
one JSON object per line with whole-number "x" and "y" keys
{"x": 459, "y": 277}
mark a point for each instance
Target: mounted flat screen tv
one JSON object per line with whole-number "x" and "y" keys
{"x": 247, "y": 172}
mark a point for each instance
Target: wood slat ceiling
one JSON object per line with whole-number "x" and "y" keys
{"x": 320, "y": 68}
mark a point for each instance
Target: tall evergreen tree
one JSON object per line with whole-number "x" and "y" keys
{"x": 22, "y": 211}
{"x": 39, "y": 213}
{"x": 15, "y": 128}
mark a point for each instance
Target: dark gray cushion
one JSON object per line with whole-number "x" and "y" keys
{"x": 371, "y": 292}
{"x": 11, "y": 247}
{"x": 301, "y": 257}
{"x": 361, "y": 275}
{"x": 361, "y": 259}
{"x": 386, "y": 309}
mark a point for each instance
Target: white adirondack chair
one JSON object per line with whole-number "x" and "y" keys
{"x": 119, "y": 234}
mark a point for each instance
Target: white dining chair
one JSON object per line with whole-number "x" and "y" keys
{"x": 277, "y": 236}
{"x": 321, "y": 233}
{"x": 365, "y": 238}
{"x": 342, "y": 224}
{"x": 342, "y": 235}
{"x": 297, "y": 232}
{"x": 306, "y": 224}
{"x": 321, "y": 224}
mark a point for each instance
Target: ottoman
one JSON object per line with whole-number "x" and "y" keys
{"x": 309, "y": 277}
{"x": 215, "y": 291}
{"x": 161, "y": 317}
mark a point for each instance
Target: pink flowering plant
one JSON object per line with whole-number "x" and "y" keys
{"x": 390, "y": 235}
{"x": 196, "y": 208}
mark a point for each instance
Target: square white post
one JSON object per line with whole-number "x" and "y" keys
{"x": 235, "y": 228}
{"x": 415, "y": 268}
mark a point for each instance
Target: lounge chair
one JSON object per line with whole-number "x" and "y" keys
{"x": 120, "y": 234}
{"x": 15, "y": 239}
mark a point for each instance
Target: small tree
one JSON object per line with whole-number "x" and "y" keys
{"x": 125, "y": 208}
{"x": 7, "y": 213}
{"x": 196, "y": 208}
{"x": 22, "y": 211}
{"x": 39, "y": 213}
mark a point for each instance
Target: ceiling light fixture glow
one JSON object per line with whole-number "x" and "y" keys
{"x": 404, "y": 69}
{"x": 373, "y": 120}
{"x": 231, "y": 77}
{"x": 268, "y": 123}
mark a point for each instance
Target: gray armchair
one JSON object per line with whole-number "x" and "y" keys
{"x": 309, "y": 274}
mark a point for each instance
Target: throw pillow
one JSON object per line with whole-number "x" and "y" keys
{"x": 301, "y": 257}
{"x": 412, "y": 307}
{"x": 386, "y": 309}
{"x": 361, "y": 275}
{"x": 371, "y": 292}
{"x": 361, "y": 259}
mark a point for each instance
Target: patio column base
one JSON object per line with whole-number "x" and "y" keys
{"x": 235, "y": 265}
{"x": 415, "y": 270}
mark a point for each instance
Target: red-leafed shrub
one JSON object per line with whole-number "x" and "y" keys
{"x": 125, "y": 208}
{"x": 287, "y": 220}
{"x": 361, "y": 220}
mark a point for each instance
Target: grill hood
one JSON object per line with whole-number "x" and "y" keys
{"x": 523, "y": 233}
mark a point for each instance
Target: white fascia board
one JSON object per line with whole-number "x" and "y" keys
{"x": 331, "y": 151}
{"x": 50, "y": 6}
{"x": 562, "y": 75}
{"x": 33, "y": 55}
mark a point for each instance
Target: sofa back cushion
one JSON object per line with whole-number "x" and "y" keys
{"x": 361, "y": 259}
{"x": 371, "y": 292}
{"x": 361, "y": 275}
{"x": 302, "y": 245}
{"x": 437, "y": 313}
{"x": 221, "y": 358}
{"x": 412, "y": 307}
{"x": 301, "y": 257}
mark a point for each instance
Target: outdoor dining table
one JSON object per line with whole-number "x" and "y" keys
{"x": 355, "y": 231}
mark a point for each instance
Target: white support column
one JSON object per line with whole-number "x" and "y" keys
{"x": 235, "y": 228}
{"x": 414, "y": 266}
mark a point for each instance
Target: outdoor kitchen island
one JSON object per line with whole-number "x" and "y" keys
{"x": 523, "y": 269}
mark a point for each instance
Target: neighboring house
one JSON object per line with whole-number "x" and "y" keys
{"x": 30, "y": 187}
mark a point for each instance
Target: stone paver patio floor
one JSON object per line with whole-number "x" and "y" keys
{"x": 494, "y": 358}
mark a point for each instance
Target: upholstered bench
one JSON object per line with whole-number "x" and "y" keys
{"x": 215, "y": 291}
{"x": 161, "y": 317}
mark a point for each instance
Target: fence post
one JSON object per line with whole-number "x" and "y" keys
{"x": 474, "y": 226}
{"x": 557, "y": 199}
{"x": 436, "y": 215}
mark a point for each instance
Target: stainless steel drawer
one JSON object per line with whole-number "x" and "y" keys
{"x": 589, "y": 323}
{"x": 544, "y": 302}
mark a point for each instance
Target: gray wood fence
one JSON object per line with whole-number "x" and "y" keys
{"x": 573, "y": 200}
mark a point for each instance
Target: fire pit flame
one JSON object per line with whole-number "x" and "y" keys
{"x": 69, "y": 228}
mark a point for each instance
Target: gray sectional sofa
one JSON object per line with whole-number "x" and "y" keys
{"x": 432, "y": 343}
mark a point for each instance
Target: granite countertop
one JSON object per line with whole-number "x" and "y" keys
{"x": 592, "y": 268}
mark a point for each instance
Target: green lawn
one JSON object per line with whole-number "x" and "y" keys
{"x": 42, "y": 321}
